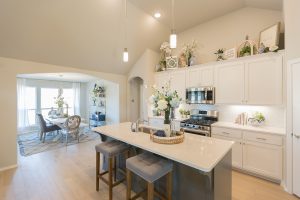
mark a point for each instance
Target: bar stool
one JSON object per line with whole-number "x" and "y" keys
{"x": 150, "y": 168}
{"x": 110, "y": 149}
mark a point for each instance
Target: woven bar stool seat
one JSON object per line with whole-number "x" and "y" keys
{"x": 110, "y": 149}
{"x": 150, "y": 168}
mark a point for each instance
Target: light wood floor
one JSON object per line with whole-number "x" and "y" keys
{"x": 69, "y": 173}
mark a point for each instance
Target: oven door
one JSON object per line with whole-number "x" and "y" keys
{"x": 197, "y": 132}
{"x": 204, "y": 95}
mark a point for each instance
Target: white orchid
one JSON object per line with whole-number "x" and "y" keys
{"x": 175, "y": 102}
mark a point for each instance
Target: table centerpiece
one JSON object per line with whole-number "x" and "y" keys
{"x": 167, "y": 101}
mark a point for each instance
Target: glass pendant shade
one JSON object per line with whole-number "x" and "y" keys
{"x": 173, "y": 40}
{"x": 125, "y": 55}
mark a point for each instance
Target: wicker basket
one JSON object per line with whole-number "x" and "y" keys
{"x": 179, "y": 138}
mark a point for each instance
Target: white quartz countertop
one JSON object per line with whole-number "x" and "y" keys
{"x": 263, "y": 129}
{"x": 199, "y": 152}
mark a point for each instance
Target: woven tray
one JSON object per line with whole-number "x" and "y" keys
{"x": 179, "y": 138}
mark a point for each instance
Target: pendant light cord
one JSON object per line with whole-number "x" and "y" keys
{"x": 125, "y": 23}
{"x": 173, "y": 24}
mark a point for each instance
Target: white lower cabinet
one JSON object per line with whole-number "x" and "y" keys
{"x": 263, "y": 159}
{"x": 255, "y": 152}
{"x": 237, "y": 150}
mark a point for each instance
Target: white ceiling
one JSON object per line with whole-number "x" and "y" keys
{"x": 189, "y": 13}
{"x": 86, "y": 34}
{"x": 68, "y": 77}
{"x": 89, "y": 34}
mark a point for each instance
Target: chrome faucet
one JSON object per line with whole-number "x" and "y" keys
{"x": 135, "y": 125}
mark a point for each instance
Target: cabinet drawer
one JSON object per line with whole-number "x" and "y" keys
{"x": 226, "y": 132}
{"x": 263, "y": 138}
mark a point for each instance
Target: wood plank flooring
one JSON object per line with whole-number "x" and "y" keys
{"x": 69, "y": 173}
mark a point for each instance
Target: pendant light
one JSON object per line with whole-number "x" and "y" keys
{"x": 125, "y": 52}
{"x": 173, "y": 36}
{"x": 125, "y": 55}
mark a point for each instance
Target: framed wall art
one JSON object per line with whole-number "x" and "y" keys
{"x": 269, "y": 37}
{"x": 172, "y": 62}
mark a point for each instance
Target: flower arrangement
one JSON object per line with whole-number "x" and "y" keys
{"x": 59, "y": 100}
{"x": 188, "y": 51}
{"x": 165, "y": 51}
{"x": 165, "y": 100}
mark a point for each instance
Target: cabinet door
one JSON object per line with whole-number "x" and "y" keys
{"x": 229, "y": 83}
{"x": 161, "y": 78}
{"x": 193, "y": 77}
{"x": 263, "y": 159}
{"x": 237, "y": 151}
{"x": 206, "y": 76}
{"x": 263, "y": 81}
{"x": 178, "y": 82}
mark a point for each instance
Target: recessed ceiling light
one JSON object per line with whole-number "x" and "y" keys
{"x": 157, "y": 15}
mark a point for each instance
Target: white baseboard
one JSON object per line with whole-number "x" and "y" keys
{"x": 8, "y": 167}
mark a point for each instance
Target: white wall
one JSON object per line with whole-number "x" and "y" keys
{"x": 9, "y": 69}
{"x": 144, "y": 68}
{"x": 292, "y": 28}
{"x": 227, "y": 31}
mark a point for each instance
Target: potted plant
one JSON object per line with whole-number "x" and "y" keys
{"x": 165, "y": 51}
{"x": 188, "y": 51}
{"x": 220, "y": 54}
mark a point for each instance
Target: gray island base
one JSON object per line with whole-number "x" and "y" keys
{"x": 189, "y": 183}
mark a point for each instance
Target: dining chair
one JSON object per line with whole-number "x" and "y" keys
{"x": 45, "y": 128}
{"x": 72, "y": 127}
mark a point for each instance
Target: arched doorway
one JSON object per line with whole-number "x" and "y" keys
{"x": 136, "y": 107}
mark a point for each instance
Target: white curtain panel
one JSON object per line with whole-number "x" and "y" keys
{"x": 76, "y": 89}
{"x": 23, "y": 120}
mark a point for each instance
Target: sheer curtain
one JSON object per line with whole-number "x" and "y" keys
{"x": 76, "y": 92}
{"x": 23, "y": 120}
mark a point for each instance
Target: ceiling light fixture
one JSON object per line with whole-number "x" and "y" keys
{"x": 157, "y": 15}
{"x": 125, "y": 52}
{"x": 173, "y": 36}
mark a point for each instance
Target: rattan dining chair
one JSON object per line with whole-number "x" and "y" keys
{"x": 72, "y": 127}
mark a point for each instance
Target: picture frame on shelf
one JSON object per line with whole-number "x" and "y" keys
{"x": 270, "y": 36}
{"x": 172, "y": 62}
{"x": 230, "y": 54}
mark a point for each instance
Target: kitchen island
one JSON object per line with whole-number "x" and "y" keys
{"x": 202, "y": 165}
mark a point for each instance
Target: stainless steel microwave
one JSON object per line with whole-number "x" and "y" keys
{"x": 201, "y": 95}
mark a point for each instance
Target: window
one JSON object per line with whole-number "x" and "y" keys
{"x": 48, "y": 96}
{"x": 30, "y": 105}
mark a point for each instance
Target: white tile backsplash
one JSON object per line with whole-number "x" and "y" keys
{"x": 275, "y": 115}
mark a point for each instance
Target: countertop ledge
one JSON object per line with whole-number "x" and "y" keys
{"x": 263, "y": 129}
{"x": 199, "y": 152}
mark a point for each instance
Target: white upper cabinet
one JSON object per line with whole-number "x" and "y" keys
{"x": 200, "y": 76}
{"x": 161, "y": 79}
{"x": 263, "y": 81}
{"x": 177, "y": 78}
{"x": 253, "y": 80}
{"x": 193, "y": 77}
{"x": 229, "y": 83}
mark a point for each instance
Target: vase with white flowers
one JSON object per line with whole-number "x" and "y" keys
{"x": 167, "y": 101}
{"x": 59, "y": 101}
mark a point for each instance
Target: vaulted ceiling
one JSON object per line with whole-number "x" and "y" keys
{"x": 89, "y": 34}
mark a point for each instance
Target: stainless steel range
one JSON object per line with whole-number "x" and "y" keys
{"x": 200, "y": 122}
